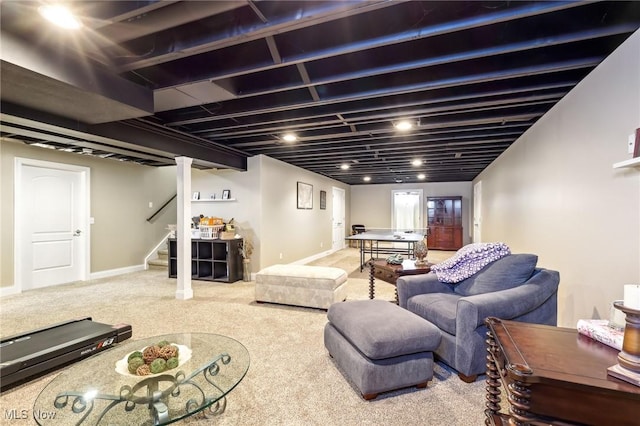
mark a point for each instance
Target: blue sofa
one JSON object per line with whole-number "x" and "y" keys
{"x": 512, "y": 288}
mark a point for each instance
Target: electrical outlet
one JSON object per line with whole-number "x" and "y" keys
{"x": 321, "y": 244}
{"x": 150, "y": 204}
{"x": 280, "y": 255}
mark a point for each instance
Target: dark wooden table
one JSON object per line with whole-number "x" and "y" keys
{"x": 554, "y": 376}
{"x": 388, "y": 272}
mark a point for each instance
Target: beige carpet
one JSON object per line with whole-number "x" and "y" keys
{"x": 291, "y": 380}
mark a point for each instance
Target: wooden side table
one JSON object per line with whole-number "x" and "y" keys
{"x": 389, "y": 272}
{"x": 554, "y": 376}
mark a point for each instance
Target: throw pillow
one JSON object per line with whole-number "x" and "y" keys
{"x": 469, "y": 260}
{"x": 508, "y": 272}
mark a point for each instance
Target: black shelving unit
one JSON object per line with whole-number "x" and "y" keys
{"x": 211, "y": 260}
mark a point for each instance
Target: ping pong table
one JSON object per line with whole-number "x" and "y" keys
{"x": 374, "y": 237}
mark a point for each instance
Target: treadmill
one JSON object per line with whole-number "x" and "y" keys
{"x": 36, "y": 352}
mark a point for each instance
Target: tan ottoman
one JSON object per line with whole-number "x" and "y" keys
{"x": 301, "y": 285}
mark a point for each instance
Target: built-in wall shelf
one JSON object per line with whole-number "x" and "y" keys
{"x": 214, "y": 200}
{"x": 633, "y": 162}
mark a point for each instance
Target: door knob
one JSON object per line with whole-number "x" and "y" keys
{"x": 77, "y": 233}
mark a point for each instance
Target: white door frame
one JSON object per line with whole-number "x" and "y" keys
{"x": 477, "y": 212}
{"x": 84, "y": 203}
{"x": 339, "y": 243}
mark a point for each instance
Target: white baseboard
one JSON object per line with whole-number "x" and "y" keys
{"x": 114, "y": 272}
{"x": 8, "y": 291}
{"x": 312, "y": 258}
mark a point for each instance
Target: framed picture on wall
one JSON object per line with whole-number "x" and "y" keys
{"x": 323, "y": 200}
{"x": 305, "y": 195}
{"x": 196, "y": 195}
{"x": 226, "y": 194}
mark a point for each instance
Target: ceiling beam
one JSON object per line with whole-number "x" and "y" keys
{"x": 307, "y": 15}
{"x": 392, "y": 39}
{"x": 266, "y": 132}
{"x": 130, "y": 134}
{"x": 466, "y": 80}
{"x": 389, "y": 111}
{"x": 90, "y": 94}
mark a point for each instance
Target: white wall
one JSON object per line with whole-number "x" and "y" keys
{"x": 371, "y": 204}
{"x": 554, "y": 191}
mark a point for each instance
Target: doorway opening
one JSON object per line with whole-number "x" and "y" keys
{"x": 406, "y": 211}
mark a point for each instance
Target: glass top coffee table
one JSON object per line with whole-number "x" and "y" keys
{"x": 100, "y": 390}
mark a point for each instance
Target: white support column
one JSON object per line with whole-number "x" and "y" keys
{"x": 183, "y": 179}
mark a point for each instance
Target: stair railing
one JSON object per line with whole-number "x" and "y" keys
{"x": 161, "y": 207}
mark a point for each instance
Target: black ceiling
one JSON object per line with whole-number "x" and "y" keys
{"x": 221, "y": 81}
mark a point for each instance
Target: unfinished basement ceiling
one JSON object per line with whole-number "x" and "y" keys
{"x": 228, "y": 79}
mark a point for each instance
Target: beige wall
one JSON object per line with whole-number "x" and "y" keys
{"x": 245, "y": 189}
{"x": 265, "y": 208}
{"x": 371, "y": 204}
{"x": 554, "y": 192}
{"x": 297, "y": 234}
{"x": 120, "y": 195}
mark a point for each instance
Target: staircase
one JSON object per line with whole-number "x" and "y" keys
{"x": 161, "y": 262}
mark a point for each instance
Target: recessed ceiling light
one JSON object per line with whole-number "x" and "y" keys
{"x": 289, "y": 137}
{"x": 417, "y": 162}
{"x": 422, "y": 176}
{"x": 60, "y": 16}
{"x": 366, "y": 178}
{"x": 404, "y": 125}
{"x": 344, "y": 166}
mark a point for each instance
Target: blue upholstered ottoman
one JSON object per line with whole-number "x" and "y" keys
{"x": 380, "y": 346}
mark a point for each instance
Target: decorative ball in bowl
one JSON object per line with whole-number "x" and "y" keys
{"x": 153, "y": 360}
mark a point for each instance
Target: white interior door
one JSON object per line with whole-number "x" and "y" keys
{"x": 477, "y": 212}
{"x": 51, "y": 212}
{"x": 338, "y": 196}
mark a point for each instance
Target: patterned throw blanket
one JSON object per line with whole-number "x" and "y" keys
{"x": 469, "y": 260}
